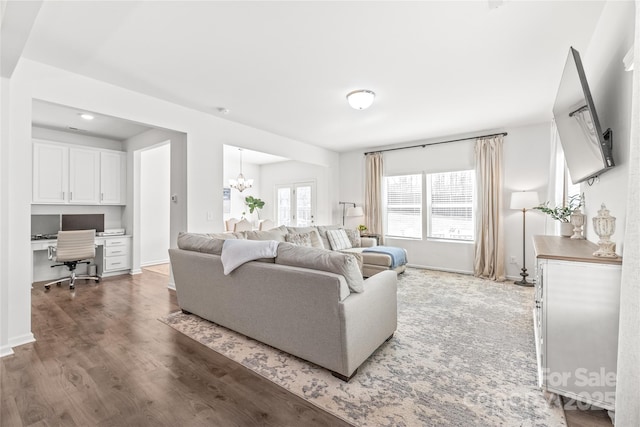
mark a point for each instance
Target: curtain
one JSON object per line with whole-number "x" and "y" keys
{"x": 489, "y": 246}
{"x": 628, "y": 382}
{"x": 373, "y": 194}
{"x": 555, "y": 188}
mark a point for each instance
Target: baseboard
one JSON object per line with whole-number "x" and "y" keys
{"x": 136, "y": 271}
{"x": 448, "y": 270}
{"x": 171, "y": 286}
{"x": 157, "y": 262}
{"x": 5, "y": 350}
{"x": 22, "y": 340}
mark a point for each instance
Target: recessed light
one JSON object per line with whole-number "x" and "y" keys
{"x": 87, "y": 116}
{"x": 222, "y": 110}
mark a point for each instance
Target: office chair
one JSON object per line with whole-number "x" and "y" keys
{"x": 71, "y": 249}
{"x": 242, "y": 225}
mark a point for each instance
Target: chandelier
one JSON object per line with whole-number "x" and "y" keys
{"x": 240, "y": 183}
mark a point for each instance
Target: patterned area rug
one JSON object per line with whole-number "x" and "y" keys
{"x": 463, "y": 355}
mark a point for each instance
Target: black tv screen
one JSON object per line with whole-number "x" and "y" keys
{"x": 586, "y": 149}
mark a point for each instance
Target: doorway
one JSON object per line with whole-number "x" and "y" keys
{"x": 155, "y": 189}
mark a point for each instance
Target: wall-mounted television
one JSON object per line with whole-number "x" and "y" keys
{"x": 587, "y": 149}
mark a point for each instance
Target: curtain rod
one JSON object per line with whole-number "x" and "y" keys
{"x": 437, "y": 143}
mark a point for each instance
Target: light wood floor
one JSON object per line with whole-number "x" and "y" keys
{"x": 103, "y": 359}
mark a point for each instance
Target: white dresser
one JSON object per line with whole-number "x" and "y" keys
{"x": 577, "y": 300}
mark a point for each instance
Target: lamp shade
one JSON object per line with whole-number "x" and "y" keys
{"x": 524, "y": 200}
{"x": 355, "y": 211}
{"x": 361, "y": 99}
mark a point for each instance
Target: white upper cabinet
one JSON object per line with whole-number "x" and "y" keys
{"x": 84, "y": 176}
{"x": 113, "y": 174}
{"x": 50, "y": 173}
{"x": 69, "y": 174}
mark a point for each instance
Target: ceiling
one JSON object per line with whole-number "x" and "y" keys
{"x": 67, "y": 119}
{"x": 438, "y": 68}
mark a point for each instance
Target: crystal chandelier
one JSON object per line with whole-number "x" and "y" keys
{"x": 240, "y": 183}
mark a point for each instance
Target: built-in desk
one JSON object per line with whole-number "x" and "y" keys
{"x": 113, "y": 257}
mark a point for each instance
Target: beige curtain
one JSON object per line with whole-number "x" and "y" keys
{"x": 628, "y": 381}
{"x": 373, "y": 194}
{"x": 489, "y": 246}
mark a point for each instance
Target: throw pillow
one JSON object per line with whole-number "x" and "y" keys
{"x": 316, "y": 240}
{"x": 276, "y": 234}
{"x": 354, "y": 237}
{"x": 338, "y": 239}
{"x": 300, "y": 239}
{"x": 322, "y": 230}
{"x": 343, "y": 264}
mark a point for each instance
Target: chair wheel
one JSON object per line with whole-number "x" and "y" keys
{"x": 97, "y": 280}
{"x": 72, "y": 287}
{"x": 58, "y": 283}
{"x": 47, "y": 287}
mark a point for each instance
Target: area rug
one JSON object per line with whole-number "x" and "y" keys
{"x": 463, "y": 355}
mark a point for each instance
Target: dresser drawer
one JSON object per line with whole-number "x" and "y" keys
{"x": 110, "y": 251}
{"x": 116, "y": 263}
{"x": 108, "y": 243}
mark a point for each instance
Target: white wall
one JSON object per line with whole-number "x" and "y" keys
{"x": 5, "y": 348}
{"x": 526, "y": 165}
{"x": 206, "y": 135}
{"x": 155, "y": 182}
{"x": 611, "y": 88}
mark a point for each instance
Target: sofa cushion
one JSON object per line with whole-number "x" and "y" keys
{"x": 226, "y": 236}
{"x": 276, "y": 234}
{"x": 316, "y": 241}
{"x": 200, "y": 243}
{"x": 300, "y": 239}
{"x": 354, "y": 237}
{"x": 338, "y": 239}
{"x": 343, "y": 264}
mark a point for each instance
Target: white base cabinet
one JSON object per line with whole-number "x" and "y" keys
{"x": 576, "y": 320}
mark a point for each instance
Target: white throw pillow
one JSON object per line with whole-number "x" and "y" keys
{"x": 338, "y": 239}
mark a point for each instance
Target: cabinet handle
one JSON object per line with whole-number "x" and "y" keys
{"x": 63, "y": 195}
{"x": 70, "y": 195}
{"x": 116, "y": 263}
{"x": 116, "y": 252}
{"x": 101, "y": 197}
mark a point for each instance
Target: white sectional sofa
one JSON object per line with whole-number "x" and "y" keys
{"x": 306, "y": 301}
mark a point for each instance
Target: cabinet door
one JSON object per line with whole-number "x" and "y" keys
{"x": 113, "y": 178}
{"x": 84, "y": 176}
{"x": 50, "y": 173}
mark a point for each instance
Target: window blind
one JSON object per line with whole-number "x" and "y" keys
{"x": 404, "y": 206}
{"x": 450, "y": 205}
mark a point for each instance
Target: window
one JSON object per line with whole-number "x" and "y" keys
{"x": 450, "y": 205}
{"x": 404, "y": 206}
{"x": 296, "y": 205}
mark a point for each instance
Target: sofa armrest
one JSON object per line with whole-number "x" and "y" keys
{"x": 370, "y": 318}
{"x": 367, "y": 242}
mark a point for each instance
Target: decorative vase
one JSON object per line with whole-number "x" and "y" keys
{"x": 566, "y": 229}
{"x": 577, "y": 221}
{"x": 605, "y": 225}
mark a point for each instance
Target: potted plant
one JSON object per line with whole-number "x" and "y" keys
{"x": 563, "y": 213}
{"x": 362, "y": 228}
{"x": 254, "y": 204}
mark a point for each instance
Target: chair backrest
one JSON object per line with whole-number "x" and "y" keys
{"x": 266, "y": 224}
{"x": 243, "y": 225}
{"x": 76, "y": 245}
{"x": 230, "y": 223}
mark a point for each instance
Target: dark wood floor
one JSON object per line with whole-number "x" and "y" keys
{"x": 103, "y": 359}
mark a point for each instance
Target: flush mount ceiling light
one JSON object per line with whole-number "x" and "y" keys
{"x": 87, "y": 116}
{"x": 361, "y": 99}
{"x": 240, "y": 183}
